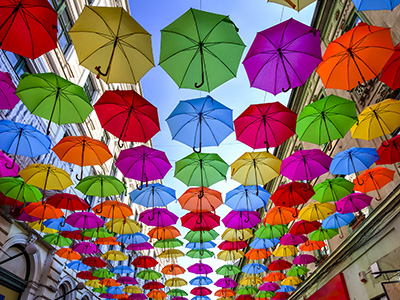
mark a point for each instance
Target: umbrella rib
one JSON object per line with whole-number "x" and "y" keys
{"x": 98, "y": 49}
{"x": 217, "y": 58}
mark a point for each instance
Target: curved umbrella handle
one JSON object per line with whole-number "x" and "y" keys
{"x": 200, "y": 219}
{"x": 97, "y": 68}
{"x": 379, "y": 196}
{"x": 295, "y": 215}
{"x": 196, "y": 85}
{"x": 154, "y": 215}
{"x": 120, "y": 143}
{"x": 139, "y": 187}
{"x": 81, "y": 176}
{"x": 362, "y": 84}
{"x": 12, "y": 165}
{"x": 101, "y": 208}
{"x": 341, "y": 235}
{"x": 290, "y": 86}
{"x": 197, "y": 151}
{"x": 63, "y": 223}
{"x": 358, "y": 181}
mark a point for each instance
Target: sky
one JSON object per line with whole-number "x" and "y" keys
{"x": 250, "y": 16}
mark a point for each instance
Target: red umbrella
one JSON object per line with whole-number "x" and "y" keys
{"x": 226, "y": 245}
{"x": 75, "y": 235}
{"x": 281, "y": 295}
{"x": 67, "y": 201}
{"x": 292, "y": 194}
{"x": 127, "y": 115}
{"x": 28, "y": 27}
{"x": 391, "y": 71}
{"x": 153, "y": 285}
{"x": 95, "y": 262}
{"x": 144, "y": 262}
{"x": 245, "y": 297}
{"x": 389, "y": 151}
{"x": 304, "y": 227}
{"x": 265, "y": 125}
{"x": 87, "y": 275}
{"x": 201, "y": 291}
{"x": 9, "y": 201}
{"x": 278, "y": 265}
{"x": 202, "y": 221}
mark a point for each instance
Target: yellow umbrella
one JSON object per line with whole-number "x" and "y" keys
{"x": 123, "y": 226}
{"x": 292, "y": 280}
{"x": 377, "y": 120}
{"x": 285, "y": 250}
{"x": 227, "y": 255}
{"x": 110, "y": 43}
{"x": 316, "y": 211}
{"x": 254, "y": 168}
{"x": 295, "y": 4}
{"x": 171, "y": 253}
{"x": 224, "y": 298}
{"x": 114, "y": 255}
{"x": 46, "y": 177}
{"x": 234, "y": 235}
{"x": 94, "y": 283}
{"x": 38, "y": 225}
{"x": 175, "y": 282}
{"x": 250, "y": 280}
{"x": 132, "y": 289}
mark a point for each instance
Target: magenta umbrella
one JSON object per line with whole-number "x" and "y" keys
{"x": 353, "y": 203}
{"x": 127, "y": 280}
{"x": 143, "y": 164}
{"x": 106, "y": 295}
{"x": 226, "y": 283}
{"x": 85, "y": 248}
{"x": 160, "y": 217}
{"x": 179, "y": 298}
{"x": 20, "y": 215}
{"x": 241, "y": 219}
{"x": 269, "y": 287}
{"x": 304, "y": 259}
{"x": 4, "y": 171}
{"x": 84, "y": 220}
{"x": 294, "y": 240}
{"x": 137, "y": 297}
{"x": 305, "y": 164}
{"x": 8, "y": 99}
{"x": 140, "y": 246}
{"x": 200, "y": 268}
{"x": 283, "y": 57}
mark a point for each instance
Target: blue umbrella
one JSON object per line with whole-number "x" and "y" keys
{"x": 201, "y": 280}
{"x": 200, "y": 122}
{"x": 122, "y": 269}
{"x": 337, "y": 220}
{"x": 254, "y": 268}
{"x": 59, "y": 224}
{"x": 286, "y": 288}
{"x": 258, "y": 243}
{"x": 247, "y": 198}
{"x": 78, "y": 266}
{"x": 136, "y": 238}
{"x": 201, "y": 298}
{"x": 199, "y": 246}
{"x": 115, "y": 290}
{"x": 22, "y": 139}
{"x": 375, "y": 4}
{"x": 154, "y": 194}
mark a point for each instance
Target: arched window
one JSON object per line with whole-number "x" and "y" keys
{"x": 20, "y": 265}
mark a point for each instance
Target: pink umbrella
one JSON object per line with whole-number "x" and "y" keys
{"x": 8, "y": 99}
{"x": 229, "y": 246}
{"x": 304, "y": 259}
{"x": 305, "y": 164}
{"x": 84, "y": 220}
{"x": 290, "y": 239}
{"x": 137, "y": 297}
{"x": 127, "y": 280}
{"x": 353, "y": 203}
{"x": 201, "y": 291}
{"x": 143, "y": 163}
{"x": 5, "y": 160}
{"x": 160, "y": 217}
{"x": 269, "y": 287}
{"x": 225, "y": 283}
{"x": 85, "y": 248}
{"x": 140, "y": 246}
{"x": 200, "y": 268}
{"x": 106, "y": 295}
{"x": 241, "y": 219}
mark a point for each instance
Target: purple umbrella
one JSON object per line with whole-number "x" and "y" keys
{"x": 20, "y": 215}
{"x": 8, "y": 99}
{"x": 143, "y": 163}
{"x": 140, "y": 246}
{"x": 241, "y": 219}
{"x": 160, "y": 217}
{"x": 269, "y": 287}
{"x": 353, "y": 203}
{"x": 225, "y": 283}
{"x": 106, "y": 295}
{"x": 137, "y": 297}
{"x": 290, "y": 239}
{"x": 84, "y": 220}
{"x": 305, "y": 164}
{"x": 5, "y": 160}
{"x": 85, "y": 248}
{"x": 283, "y": 56}
{"x": 127, "y": 280}
{"x": 200, "y": 268}
{"x": 304, "y": 259}
{"x": 179, "y": 298}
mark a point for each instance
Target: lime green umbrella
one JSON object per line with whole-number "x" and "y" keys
{"x": 297, "y": 271}
{"x": 149, "y": 275}
{"x": 201, "y": 236}
{"x": 201, "y": 169}
{"x": 100, "y": 232}
{"x": 200, "y": 253}
{"x": 268, "y": 231}
{"x": 103, "y": 273}
{"x": 201, "y": 50}
{"x": 265, "y": 294}
{"x": 49, "y": 96}
{"x": 101, "y": 186}
{"x": 247, "y": 290}
{"x": 57, "y": 239}
{"x": 323, "y": 234}
{"x": 228, "y": 270}
{"x": 332, "y": 190}
{"x": 168, "y": 243}
{"x": 177, "y": 293}
{"x": 16, "y": 188}
{"x": 100, "y": 290}
{"x": 325, "y": 120}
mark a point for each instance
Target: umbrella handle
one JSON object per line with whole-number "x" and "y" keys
{"x": 362, "y": 84}
{"x": 139, "y": 187}
{"x": 196, "y": 85}
{"x": 63, "y": 223}
{"x": 307, "y": 188}
{"x": 379, "y": 196}
{"x": 101, "y": 208}
{"x": 341, "y": 235}
{"x": 289, "y": 87}
{"x": 200, "y": 219}
{"x": 79, "y": 177}
{"x": 12, "y": 165}
{"x": 295, "y": 215}
{"x": 120, "y": 143}
{"x": 197, "y": 151}
{"x": 154, "y": 216}
{"x": 100, "y": 72}
{"x": 358, "y": 181}
{"x": 339, "y": 209}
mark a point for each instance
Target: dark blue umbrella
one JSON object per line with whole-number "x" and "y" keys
{"x": 153, "y": 195}
{"x": 375, "y": 4}
{"x": 22, "y": 139}
{"x": 199, "y": 246}
{"x": 201, "y": 280}
{"x": 254, "y": 268}
{"x": 258, "y": 243}
{"x": 136, "y": 238}
{"x": 247, "y": 198}
{"x": 200, "y": 122}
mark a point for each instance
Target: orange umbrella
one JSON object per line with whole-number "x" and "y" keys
{"x": 113, "y": 210}
{"x": 173, "y": 269}
{"x": 107, "y": 241}
{"x": 373, "y": 180}
{"x": 68, "y": 253}
{"x": 109, "y": 282}
{"x": 82, "y": 151}
{"x": 43, "y": 211}
{"x": 274, "y": 276}
{"x": 200, "y": 199}
{"x": 121, "y": 296}
{"x": 355, "y": 57}
{"x": 164, "y": 233}
{"x": 257, "y": 254}
{"x": 225, "y": 293}
{"x": 312, "y": 245}
{"x": 157, "y": 294}
{"x": 281, "y": 215}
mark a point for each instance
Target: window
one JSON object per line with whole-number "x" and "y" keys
{"x": 89, "y": 88}
{"x": 105, "y": 138}
{"x": 62, "y": 290}
{"x": 64, "y": 24}
{"x": 17, "y": 62}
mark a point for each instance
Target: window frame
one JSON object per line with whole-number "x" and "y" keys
{"x": 60, "y": 8}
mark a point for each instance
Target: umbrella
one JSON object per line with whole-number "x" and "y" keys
{"x": 113, "y": 210}
{"x": 355, "y": 57}
{"x": 200, "y": 221}
{"x": 375, "y": 5}
{"x": 22, "y": 139}
{"x": 268, "y": 287}
{"x": 227, "y": 245}
{"x": 295, "y": 4}
{"x": 127, "y": 280}
{"x": 171, "y": 253}
{"x": 292, "y": 194}
{"x": 228, "y": 270}
{"x": 156, "y": 294}
{"x": 247, "y": 198}
{"x": 136, "y": 238}
{"x": 254, "y": 268}
{"x": 127, "y": 115}
{"x": 268, "y": 231}
{"x": 123, "y": 226}
{"x": 140, "y": 246}
{"x": 279, "y": 265}
{"x": 258, "y": 243}
{"x": 225, "y": 293}
{"x": 200, "y": 122}
{"x": 200, "y": 268}
{"x": 257, "y": 254}
{"x": 201, "y": 50}
{"x": 286, "y": 289}
{"x": 68, "y": 254}
{"x": 245, "y": 297}
{"x": 109, "y": 42}
{"x": 173, "y": 269}
{"x": 103, "y": 273}
{"x": 373, "y": 180}
{"x": 77, "y": 266}
{"x": 322, "y": 234}
{"x": 247, "y": 290}
{"x": 168, "y": 243}
{"x": 137, "y": 297}
{"x": 82, "y": 151}
{"x": 201, "y": 291}
{"x": 28, "y": 28}
{"x": 67, "y": 201}
{"x": 106, "y": 241}
{"x": 59, "y": 225}
{"x": 390, "y": 72}
{"x": 97, "y": 233}
{"x": 332, "y": 189}
{"x": 162, "y": 233}
{"x": 316, "y": 211}
{"x": 304, "y": 227}
{"x": 175, "y": 282}
{"x": 4, "y": 170}
{"x": 114, "y": 255}
{"x": 143, "y": 163}
{"x": 233, "y": 235}
{"x": 292, "y": 280}
{"x": 290, "y": 239}
{"x": 200, "y": 199}
{"x": 201, "y": 280}
{"x": 132, "y": 289}
{"x": 201, "y": 236}
{"x": 250, "y": 280}
{"x": 325, "y": 120}
{"x": 337, "y": 220}
{"x": 201, "y": 245}
{"x": 86, "y": 248}
{"x": 38, "y": 225}
{"x": 8, "y": 99}
{"x": 87, "y": 275}
{"x": 177, "y": 293}
{"x": 201, "y": 253}
{"x": 353, "y": 203}
{"x": 304, "y": 259}
{"x": 241, "y": 219}
{"x": 312, "y": 245}
{"x": 54, "y": 98}
{"x": 265, "y": 294}
{"x": 95, "y": 262}
{"x": 230, "y": 255}
{"x": 155, "y": 194}
{"x": 283, "y": 56}
{"x": 122, "y": 270}
{"x": 297, "y": 271}
{"x": 160, "y": 217}
{"x": 389, "y": 151}
{"x": 115, "y": 290}
{"x": 274, "y": 276}
{"x": 57, "y": 239}
{"x": 74, "y": 235}
{"x": 84, "y": 220}
{"x": 43, "y": 211}
{"x": 281, "y": 215}
{"x": 225, "y": 283}
{"x": 16, "y": 188}
{"x": 305, "y": 164}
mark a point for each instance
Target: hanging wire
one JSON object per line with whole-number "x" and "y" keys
{"x": 283, "y": 8}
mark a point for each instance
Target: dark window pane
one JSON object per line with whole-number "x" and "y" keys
{"x": 89, "y": 88}
{"x": 17, "y": 62}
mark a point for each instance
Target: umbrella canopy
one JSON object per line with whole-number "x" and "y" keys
{"x": 200, "y": 245}
{"x": 316, "y": 211}
{"x": 5, "y": 164}
{"x": 200, "y": 199}
{"x": 322, "y": 234}
{"x": 177, "y": 293}
{"x": 155, "y": 194}
{"x": 250, "y": 280}
{"x": 337, "y": 220}
{"x": 113, "y": 210}
{"x": 295, "y": 4}
{"x": 332, "y": 189}
{"x": 109, "y": 282}
{"x": 28, "y": 28}
{"x": 97, "y": 233}
{"x": 390, "y": 74}
{"x": 269, "y": 287}
{"x": 225, "y": 293}
{"x": 67, "y": 201}
{"x": 228, "y": 270}
{"x": 201, "y": 50}
{"x": 241, "y": 219}
{"x": 233, "y": 235}
{"x": 247, "y": 198}
{"x": 16, "y": 188}
{"x": 136, "y": 238}
{"x": 389, "y": 151}
{"x": 121, "y": 269}
{"x": 373, "y": 180}
{"x": 160, "y": 217}
{"x": 290, "y": 239}
{"x": 230, "y": 255}
{"x": 114, "y": 255}
{"x": 168, "y": 243}
{"x": 304, "y": 259}
{"x": 355, "y": 57}
{"x": 173, "y": 269}
{"x": 156, "y": 294}
{"x": 87, "y": 275}
{"x": 254, "y": 268}
{"x": 110, "y": 240}
{"x": 101, "y": 186}
{"x": 292, "y": 194}
{"x": 281, "y": 215}
{"x": 111, "y": 44}
{"x": 201, "y": 280}
{"x": 144, "y": 262}
{"x": 77, "y": 265}
{"x": 54, "y": 98}
{"x": 68, "y": 254}
{"x": 140, "y": 246}
{"x": 43, "y": 211}
{"x": 95, "y": 262}
{"x": 201, "y": 236}
{"x": 201, "y": 291}
{"x": 279, "y": 265}
{"x": 375, "y": 5}
{"x": 353, "y": 203}
{"x": 86, "y": 248}
{"x": 7, "y": 92}
{"x": 175, "y": 282}
{"x": 257, "y": 254}
{"x": 132, "y": 289}
{"x": 153, "y": 285}
{"x": 304, "y": 227}
{"x": 162, "y": 233}
{"x": 103, "y": 273}
{"x": 291, "y": 281}
{"x": 127, "y": 115}
{"x": 57, "y": 239}
{"x": 225, "y": 283}
{"x": 268, "y": 231}
{"x": 312, "y": 245}
{"x": 200, "y": 221}
{"x": 200, "y": 122}
{"x": 171, "y": 253}
{"x": 247, "y": 290}
{"x": 84, "y": 220}
{"x": 258, "y": 243}
{"x": 200, "y": 268}
{"x": 127, "y": 280}
{"x": 226, "y": 245}
{"x": 297, "y": 271}
{"x": 283, "y": 56}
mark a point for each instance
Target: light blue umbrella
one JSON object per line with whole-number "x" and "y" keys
{"x": 199, "y": 246}
{"x": 78, "y": 266}
{"x": 375, "y": 4}
{"x": 337, "y": 220}
{"x": 59, "y": 224}
{"x": 247, "y": 198}
{"x": 153, "y": 195}
{"x": 122, "y": 269}
{"x": 136, "y": 238}
{"x": 258, "y": 243}
{"x": 286, "y": 288}
{"x": 201, "y": 298}
{"x": 200, "y": 122}
{"x": 201, "y": 280}
{"x": 115, "y": 290}
{"x": 254, "y": 268}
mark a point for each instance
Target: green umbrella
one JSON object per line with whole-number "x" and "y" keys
{"x": 247, "y": 290}
{"x": 265, "y": 294}
{"x": 103, "y": 273}
{"x": 228, "y": 270}
{"x": 168, "y": 243}
{"x": 16, "y": 188}
{"x": 149, "y": 275}
{"x": 202, "y": 253}
{"x": 101, "y": 186}
{"x": 201, "y": 169}
{"x": 332, "y": 190}
{"x": 325, "y": 120}
{"x": 201, "y": 50}
{"x": 100, "y": 232}
{"x": 268, "y": 231}
{"x": 57, "y": 239}
{"x": 297, "y": 271}
{"x": 100, "y": 290}
{"x": 323, "y": 234}
{"x": 54, "y": 98}
{"x": 201, "y": 236}
{"x": 177, "y": 293}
